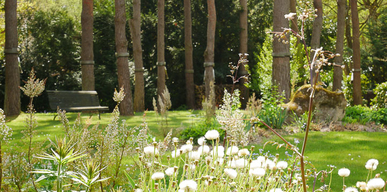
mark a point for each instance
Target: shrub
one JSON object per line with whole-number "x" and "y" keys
{"x": 380, "y": 100}
{"x": 272, "y": 113}
{"x": 380, "y": 116}
{"x": 356, "y": 114}
{"x": 199, "y": 129}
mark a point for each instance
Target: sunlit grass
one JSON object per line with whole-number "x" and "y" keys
{"x": 341, "y": 149}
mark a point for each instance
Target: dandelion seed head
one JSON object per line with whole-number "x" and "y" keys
{"x": 344, "y": 172}
{"x": 202, "y": 141}
{"x": 158, "y": 176}
{"x": 231, "y": 173}
{"x": 212, "y": 134}
{"x": 375, "y": 183}
{"x": 232, "y": 150}
{"x": 188, "y": 185}
{"x": 243, "y": 152}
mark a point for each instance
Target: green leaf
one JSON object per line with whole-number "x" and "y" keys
{"x": 130, "y": 179}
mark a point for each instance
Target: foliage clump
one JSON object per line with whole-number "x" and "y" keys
{"x": 380, "y": 99}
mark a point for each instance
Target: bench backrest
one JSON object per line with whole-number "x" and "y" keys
{"x": 67, "y": 99}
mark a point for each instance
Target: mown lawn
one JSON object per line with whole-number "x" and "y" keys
{"x": 341, "y": 149}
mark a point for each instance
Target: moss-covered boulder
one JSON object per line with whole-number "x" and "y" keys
{"x": 327, "y": 105}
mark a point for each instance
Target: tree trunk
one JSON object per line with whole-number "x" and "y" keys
{"x": 316, "y": 34}
{"x": 243, "y": 49}
{"x": 126, "y": 105}
{"x": 357, "y": 97}
{"x": 338, "y": 71}
{"x": 281, "y": 54}
{"x": 12, "y": 72}
{"x": 87, "y": 56}
{"x": 189, "y": 71}
{"x": 135, "y": 28}
{"x": 160, "y": 49}
{"x": 209, "y": 74}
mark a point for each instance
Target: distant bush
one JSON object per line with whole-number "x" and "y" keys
{"x": 357, "y": 114}
{"x": 380, "y": 116}
{"x": 199, "y": 129}
{"x": 380, "y": 100}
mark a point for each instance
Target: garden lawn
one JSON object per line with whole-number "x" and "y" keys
{"x": 49, "y": 128}
{"x": 342, "y": 149}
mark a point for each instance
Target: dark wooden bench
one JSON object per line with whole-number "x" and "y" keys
{"x": 75, "y": 101}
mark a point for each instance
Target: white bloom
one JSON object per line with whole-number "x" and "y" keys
{"x": 212, "y": 134}
{"x": 243, "y": 152}
{"x": 375, "y": 183}
{"x": 138, "y": 190}
{"x": 276, "y": 190}
{"x": 351, "y": 189}
{"x": 255, "y": 164}
{"x": 158, "y": 176}
{"x": 258, "y": 172}
{"x": 170, "y": 171}
{"x": 175, "y": 153}
{"x": 241, "y": 163}
{"x": 372, "y": 164}
{"x": 186, "y": 148}
{"x": 231, "y": 173}
{"x": 192, "y": 167}
{"x": 219, "y": 151}
{"x": 188, "y": 185}
{"x": 194, "y": 155}
{"x": 269, "y": 164}
{"x": 232, "y": 150}
{"x": 202, "y": 141}
{"x": 282, "y": 165}
{"x": 361, "y": 185}
{"x": 150, "y": 150}
{"x": 175, "y": 139}
{"x": 344, "y": 172}
{"x": 231, "y": 164}
{"x": 219, "y": 160}
{"x": 290, "y": 16}
{"x": 204, "y": 149}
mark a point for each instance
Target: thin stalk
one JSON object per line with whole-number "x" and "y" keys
{"x": 59, "y": 183}
{"x": 119, "y": 161}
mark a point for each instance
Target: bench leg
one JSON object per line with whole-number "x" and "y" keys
{"x": 99, "y": 115}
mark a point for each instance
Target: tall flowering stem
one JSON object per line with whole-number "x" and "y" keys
{"x": 33, "y": 88}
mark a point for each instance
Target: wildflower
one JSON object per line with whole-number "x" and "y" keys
{"x": 202, "y": 141}
{"x": 243, "y": 152}
{"x": 212, "y": 134}
{"x": 219, "y": 151}
{"x": 232, "y": 150}
{"x": 194, "y": 155}
{"x": 188, "y": 185}
{"x": 186, "y": 148}
{"x": 351, "y": 189}
{"x": 175, "y": 139}
{"x": 150, "y": 150}
{"x": 282, "y": 165}
{"x": 204, "y": 149}
{"x": 241, "y": 163}
{"x": 276, "y": 190}
{"x": 256, "y": 164}
{"x": 33, "y": 87}
{"x": 138, "y": 190}
{"x": 230, "y": 173}
{"x": 269, "y": 164}
{"x": 258, "y": 172}
{"x": 375, "y": 183}
{"x": 361, "y": 185}
{"x": 119, "y": 96}
{"x": 372, "y": 164}
{"x": 170, "y": 171}
{"x": 290, "y": 16}
{"x": 175, "y": 153}
{"x": 344, "y": 172}
{"x": 231, "y": 164}
{"x": 158, "y": 176}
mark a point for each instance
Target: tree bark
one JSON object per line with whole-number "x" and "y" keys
{"x": 126, "y": 105}
{"x": 160, "y": 49}
{"x": 87, "y": 55}
{"x": 135, "y": 28}
{"x": 243, "y": 49}
{"x": 281, "y": 54}
{"x": 357, "y": 97}
{"x": 209, "y": 74}
{"x": 316, "y": 35}
{"x": 189, "y": 70}
{"x": 12, "y": 71}
{"x": 338, "y": 71}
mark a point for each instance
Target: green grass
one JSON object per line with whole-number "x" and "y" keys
{"x": 50, "y": 128}
{"x": 341, "y": 149}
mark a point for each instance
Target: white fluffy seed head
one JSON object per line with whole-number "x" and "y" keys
{"x": 375, "y": 183}
{"x": 212, "y": 134}
{"x": 232, "y": 150}
{"x": 202, "y": 141}
{"x": 243, "y": 152}
{"x": 344, "y": 172}
{"x": 230, "y": 173}
{"x": 158, "y": 176}
{"x": 282, "y": 165}
{"x": 188, "y": 185}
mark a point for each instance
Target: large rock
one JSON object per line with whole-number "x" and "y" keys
{"x": 327, "y": 105}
